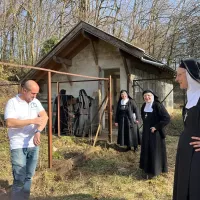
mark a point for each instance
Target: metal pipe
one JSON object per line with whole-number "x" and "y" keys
{"x": 110, "y": 109}
{"x": 76, "y": 81}
{"x": 152, "y": 62}
{"x": 58, "y": 108}
{"x": 154, "y": 79}
{"x": 9, "y": 84}
{"x": 49, "y": 70}
{"x": 50, "y": 122}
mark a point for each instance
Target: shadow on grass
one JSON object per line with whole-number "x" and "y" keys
{"x": 76, "y": 197}
{"x": 4, "y": 184}
{"x": 107, "y": 145}
{"x": 4, "y": 190}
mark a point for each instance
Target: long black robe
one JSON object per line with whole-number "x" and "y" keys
{"x": 82, "y": 119}
{"x": 153, "y": 158}
{"x": 63, "y": 111}
{"x": 187, "y": 168}
{"x": 128, "y": 132}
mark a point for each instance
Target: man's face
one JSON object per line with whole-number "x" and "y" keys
{"x": 29, "y": 95}
{"x": 124, "y": 95}
{"x": 148, "y": 97}
{"x": 181, "y": 78}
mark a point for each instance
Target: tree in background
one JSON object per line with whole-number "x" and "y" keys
{"x": 167, "y": 30}
{"x": 48, "y": 45}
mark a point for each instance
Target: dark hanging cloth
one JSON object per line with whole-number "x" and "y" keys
{"x": 153, "y": 158}
{"x": 63, "y": 97}
{"x": 82, "y": 117}
{"x": 128, "y": 131}
{"x": 187, "y": 171}
{"x": 63, "y": 111}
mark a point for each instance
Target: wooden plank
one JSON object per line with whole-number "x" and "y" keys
{"x": 100, "y": 121}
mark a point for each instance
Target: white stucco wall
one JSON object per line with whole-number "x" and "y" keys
{"x": 83, "y": 63}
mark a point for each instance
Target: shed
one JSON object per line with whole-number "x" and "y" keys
{"x": 90, "y": 51}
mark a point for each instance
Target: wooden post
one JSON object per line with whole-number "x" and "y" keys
{"x": 58, "y": 108}
{"x": 110, "y": 109}
{"x": 50, "y": 122}
{"x": 100, "y": 121}
{"x": 128, "y": 83}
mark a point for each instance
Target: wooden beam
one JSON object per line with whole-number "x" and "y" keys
{"x": 94, "y": 52}
{"x": 89, "y": 36}
{"x": 138, "y": 64}
{"x": 61, "y": 45}
{"x": 92, "y": 40}
{"x": 68, "y": 77}
{"x": 100, "y": 121}
{"x": 70, "y": 53}
{"x": 127, "y": 68}
{"x": 62, "y": 60}
{"x": 135, "y": 51}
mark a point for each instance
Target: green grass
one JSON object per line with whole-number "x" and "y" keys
{"x": 176, "y": 125}
{"x": 106, "y": 175}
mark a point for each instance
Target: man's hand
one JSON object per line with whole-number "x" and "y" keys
{"x": 116, "y": 124}
{"x": 196, "y": 144}
{"x": 36, "y": 139}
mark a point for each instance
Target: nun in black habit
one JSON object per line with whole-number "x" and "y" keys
{"x": 187, "y": 168}
{"x": 153, "y": 158}
{"x": 127, "y": 119}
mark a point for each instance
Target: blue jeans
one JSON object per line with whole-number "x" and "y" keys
{"x": 24, "y": 162}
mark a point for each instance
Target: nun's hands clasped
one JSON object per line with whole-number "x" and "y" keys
{"x": 196, "y": 143}
{"x": 153, "y": 129}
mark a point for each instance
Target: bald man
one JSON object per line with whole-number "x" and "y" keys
{"x": 25, "y": 118}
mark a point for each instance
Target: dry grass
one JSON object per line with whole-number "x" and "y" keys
{"x": 107, "y": 174}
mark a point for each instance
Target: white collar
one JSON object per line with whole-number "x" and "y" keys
{"x": 19, "y": 99}
{"x": 124, "y": 101}
{"x": 148, "y": 106}
{"x": 193, "y": 92}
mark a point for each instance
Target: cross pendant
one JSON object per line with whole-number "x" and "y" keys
{"x": 146, "y": 115}
{"x": 185, "y": 116}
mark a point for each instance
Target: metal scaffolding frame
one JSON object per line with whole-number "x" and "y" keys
{"x": 49, "y": 90}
